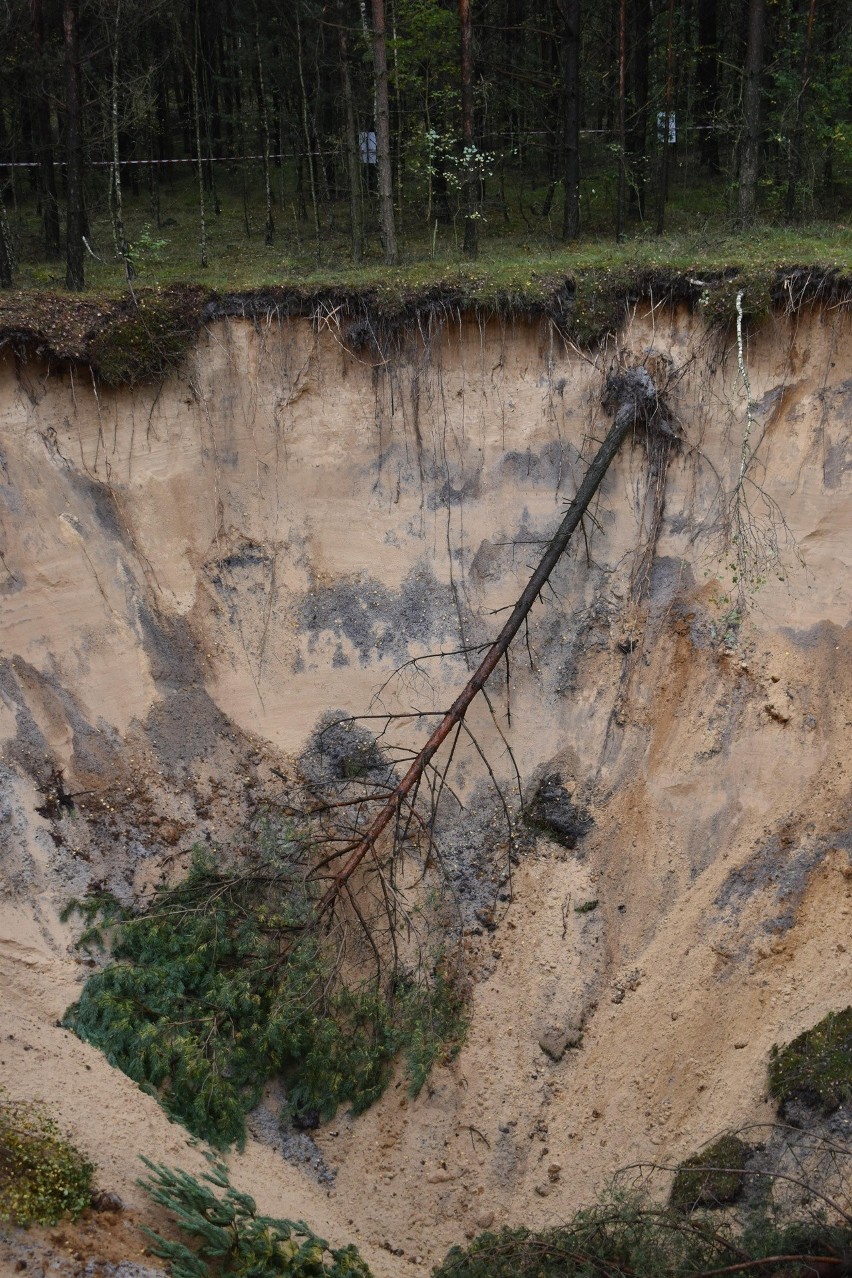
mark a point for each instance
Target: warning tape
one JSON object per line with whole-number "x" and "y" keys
{"x": 292, "y": 155}
{"x": 189, "y": 159}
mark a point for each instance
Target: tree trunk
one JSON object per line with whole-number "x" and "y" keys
{"x": 663, "y": 186}
{"x": 749, "y": 159}
{"x": 383, "y": 155}
{"x": 621, "y": 194}
{"x": 639, "y": 45}
{"x": 708, "y": 84}
{"x": 636, "y": 403}
{"x": 797, "y": 141}
{"x": 7, "y": 256}
{"x": 269, "y": 233}
{"x": 471, "y": 213}
{"x": 353, "y": 158}
{"x": 164, "y": 123}
{"x": 571, "y": 91}
{"x": 242, "y": 141}
{"x": 122, "y": 248}
{"x": 75, "y": 221}
{"x": 49, "y": 200}
{"x": 306, "y": 131}
{"x": 191, "y": 64}
{"x": 202, "y": 69}
{"x": 400, "y": 123}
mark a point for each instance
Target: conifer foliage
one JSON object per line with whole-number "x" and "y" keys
{"x": 228, "y": 1233}
{"x": 221, "y": 984}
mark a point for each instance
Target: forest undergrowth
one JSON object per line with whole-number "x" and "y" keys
{"x": 519, "y": 253}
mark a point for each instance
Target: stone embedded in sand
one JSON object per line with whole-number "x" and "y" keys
{"x": 778, "y": 706}
{"x": 104, "y": 1200}
{"x": 555, "y": 1041}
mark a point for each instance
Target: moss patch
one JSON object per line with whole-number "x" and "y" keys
{"x": 124, "y": 340}
{"x": 42, "y": 1176}
{"x": 146, "y": 337}
{"x": 816, "y": 1068}
{"x": 712, "y": 1177}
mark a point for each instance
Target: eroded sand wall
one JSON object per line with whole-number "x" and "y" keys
{"x": 192, "y": 573}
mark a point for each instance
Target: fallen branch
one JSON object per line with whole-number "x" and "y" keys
{"x": 816, "y": 1265}
{"x": 634, "y": 399}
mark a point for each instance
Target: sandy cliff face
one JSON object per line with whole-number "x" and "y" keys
{"x": 193, "y": 573}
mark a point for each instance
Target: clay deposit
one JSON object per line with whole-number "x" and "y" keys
{"x": 194, "y": 572}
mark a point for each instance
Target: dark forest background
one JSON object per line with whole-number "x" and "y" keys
{"x": 127, "y": 125}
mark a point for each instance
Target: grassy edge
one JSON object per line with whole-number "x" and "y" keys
{"x": 127, "y": 339}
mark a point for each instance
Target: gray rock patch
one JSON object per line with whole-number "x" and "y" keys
{"x": 379, "y": 622}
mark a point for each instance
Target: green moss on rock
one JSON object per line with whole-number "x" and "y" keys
{"x": 712, "y": 1177}
{"x": 816, "y": 1068}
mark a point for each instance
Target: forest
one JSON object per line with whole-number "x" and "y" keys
{"x": 391, "y": 130}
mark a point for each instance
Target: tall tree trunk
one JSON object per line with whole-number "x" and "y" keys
{"x": 665, "y": 145}
{"x": 225, "y": 61}
{"x": 153, "y": 173}
{"x": 75, "y": 220}
{"x": 621, "y": 194}
{"x": 471, "y": 213}
{"x": 269, "y": 233}
{"x": 191, "y": 65}
{"x": 797, "y": 141}
{"x": 749, "y": 158}
{"x": 202, "y": 212}
{"x": 7, "y": 254}
{"x": 164, "y": 123}
{"x": 122, "y": 248}
{"x": 571, "y": 93}
{"x": 242, "y": 140}
{"x": 306, "y": 131}
{"x": 708, "y": 84}
{"x": 324, "y": 164}
{"x": 639, "y": 46}
{"x": 202, "y": 72}
{"x": 834, "y": 12}
{"x": 383, "y": 155}
{"x": 49, "y": 200}
{"x": 399, "y": 115}
{"x": 353, "y": 159}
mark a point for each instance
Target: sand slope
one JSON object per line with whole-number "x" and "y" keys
{"x": 193, "y": 573}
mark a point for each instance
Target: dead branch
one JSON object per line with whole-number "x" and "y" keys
{"x": 817, "y": 1265}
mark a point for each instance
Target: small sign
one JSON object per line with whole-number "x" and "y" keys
{"x": 367, "y": 147}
